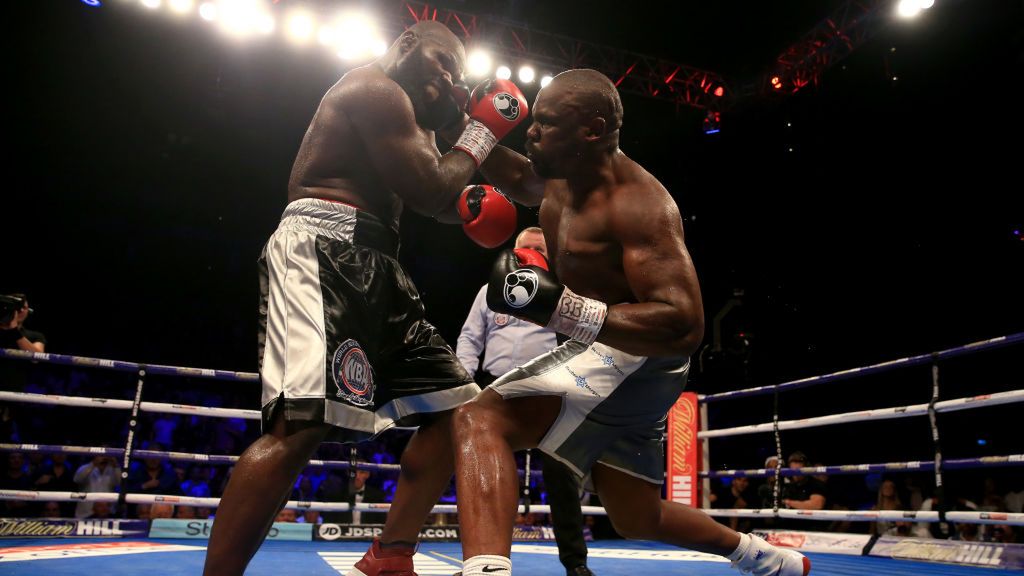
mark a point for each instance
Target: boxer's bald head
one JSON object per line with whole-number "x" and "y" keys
{"x": 576, "y": 116}
{"x": 592, "y": 96}
{"x": 425, "y": 61}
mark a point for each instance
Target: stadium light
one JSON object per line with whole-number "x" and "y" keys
{"x": 479, "y": 63}
{"x": 527, "y": 74}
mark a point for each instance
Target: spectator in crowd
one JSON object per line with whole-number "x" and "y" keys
{"x": 286, "y": 515}
{"x": 184, "y": 512}
{"x": 310, "y": 517}
{"x": 229, "y": 436}
{"x": 766, "y": 491}
{"x": 100, "y": 510}
{"x": 888, "y": 499}
{"x": 940, "y": 530}
{"x": 9, "y": 432}
{"x": 13, "y": 333}
{"x": 15, "y": 477}
{"x": 56, "y": 476}
{"x": 161, "y": 510}
{"x": 198, "y": 484}
{"x": 1014, "y": 498}
{"x": 338, "y": 487}
{"x": 303, "y": 490}
{"x": 912, "y": 492}
{"x": 738, "y": 495}
{"x": 51, "y": 510}
{"x": 991, "y": 499}
{"x": 1004, "y": 534}
{"x": 803, "y": 492}
{"x": 143, "y": 511}
{"x": 100, "y": 475}
{"x": 163, "y": 429}
{"x": 152, "y": 475}
{"x": 33, "y": 463}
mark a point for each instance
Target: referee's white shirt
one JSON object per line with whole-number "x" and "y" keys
{"x": 505, "y": 341}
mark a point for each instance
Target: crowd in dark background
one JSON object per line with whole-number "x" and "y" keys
{"x": 993, "y": 490}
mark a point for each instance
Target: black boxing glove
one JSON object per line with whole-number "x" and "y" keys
{"x": 522, "y": 286}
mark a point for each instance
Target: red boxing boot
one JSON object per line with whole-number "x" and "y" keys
{"x": 393, "y": 561}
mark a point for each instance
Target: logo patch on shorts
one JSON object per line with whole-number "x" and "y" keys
{"x": 521, "y": 287}
{"x": 581, "y": 382}
{"x": 608, "y": 360}
{"x": 501, "y": 319}
{"x": 507, "y": 105}
{"x": 353, "y": 374}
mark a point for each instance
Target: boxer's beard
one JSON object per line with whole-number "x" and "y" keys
{"x": 429, "y": 115}
{"x": 541, "y": 168}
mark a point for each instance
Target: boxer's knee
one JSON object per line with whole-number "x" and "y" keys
{"x": 429, "y": 447}
{"x": 477, "y": 420}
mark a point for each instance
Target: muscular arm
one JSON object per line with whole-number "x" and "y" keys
{"x": 404, "y": 155}
{"x": 511, "y": 173}
{"x": 668, "y": 317}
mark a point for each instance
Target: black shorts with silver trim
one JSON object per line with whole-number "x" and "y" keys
{"x": 342, "y": 335}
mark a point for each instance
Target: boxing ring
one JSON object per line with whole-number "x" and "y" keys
{"x": 132, "y": 546}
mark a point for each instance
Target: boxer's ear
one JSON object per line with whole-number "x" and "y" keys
{"x": 407, "y": 42}
{"x": 596, "y": 128}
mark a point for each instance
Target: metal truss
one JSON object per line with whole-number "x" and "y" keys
{"x": 831, "y": 40}
{"x": 800, "y": 65}
{"x": 632, "y": 73}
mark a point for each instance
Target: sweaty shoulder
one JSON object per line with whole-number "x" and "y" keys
{"x": 366, "y": 93}
{"x": 641, "y": 204}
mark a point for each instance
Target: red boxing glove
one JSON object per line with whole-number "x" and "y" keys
{"x": 488, "y": 217}
{"x": 495, "y": 108}
{"x": 530, "y": 257}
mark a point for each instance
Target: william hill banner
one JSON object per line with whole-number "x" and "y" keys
{"x": 70, "y": 528}
{"x": 683, "y": 451}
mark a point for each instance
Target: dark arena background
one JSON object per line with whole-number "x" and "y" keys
{"x": 849, "y": 175}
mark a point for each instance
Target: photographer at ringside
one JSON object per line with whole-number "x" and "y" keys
{"x": 14, "y": 310}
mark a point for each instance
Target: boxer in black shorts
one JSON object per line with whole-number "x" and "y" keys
{"x": 345, "y": 351}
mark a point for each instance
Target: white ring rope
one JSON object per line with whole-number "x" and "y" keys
{"x": 181, "y": 456}
{"x": 980, "y": 401}
{"x": 122, "y": 366}
{"x": 1009, "y": 518}
{"x": 878, "y": 414}
{"x": 56, "y": 400}
{"x": 1012, "y": 519}
{"x": 155, "y": 407}
{"x": 214, "y": 502}
{"x": 161, "y": 408}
